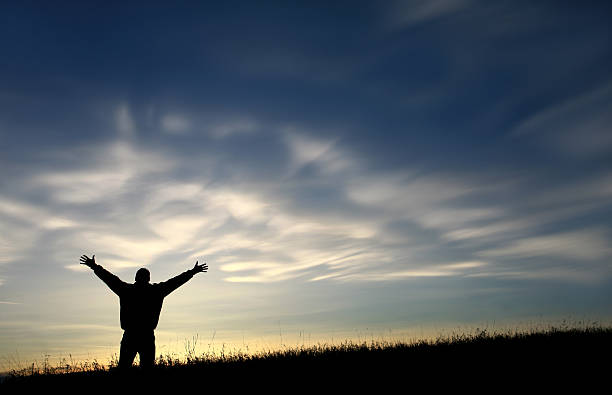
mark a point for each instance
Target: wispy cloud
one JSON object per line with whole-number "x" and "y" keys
{"x": 579, "y": 126}
{"x": 175, "y": 124}
{"x": 327, "y": 217}
{"x": 39, "y": 217}
{"x": 589, "y": 244}
{"x": 306, "y": 150}
{"x": 233, "y": 127}
{"x": 406, "y": 13}
{"x": 124, "y": 121}
{"x": 105, "y": 172}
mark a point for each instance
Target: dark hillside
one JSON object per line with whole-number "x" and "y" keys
{"x": 555, "y": 359}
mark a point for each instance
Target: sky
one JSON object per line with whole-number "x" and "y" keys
{"x": 348, "y": 170}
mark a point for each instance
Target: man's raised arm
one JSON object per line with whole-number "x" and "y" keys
{"x": 175, "y": 282}
{"x": 113, "y": 282}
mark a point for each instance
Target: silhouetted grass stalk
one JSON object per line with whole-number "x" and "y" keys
{"x": 479, "y": 338}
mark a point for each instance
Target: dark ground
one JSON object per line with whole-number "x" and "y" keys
{"x": 570, "y": 359}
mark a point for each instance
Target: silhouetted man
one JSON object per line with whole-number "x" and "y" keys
{"x": 140, "y": 305}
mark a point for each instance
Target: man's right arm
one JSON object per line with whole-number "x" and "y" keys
{"x": 113, "y": 282}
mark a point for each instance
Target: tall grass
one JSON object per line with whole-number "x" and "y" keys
{"x": 488, "y": 355}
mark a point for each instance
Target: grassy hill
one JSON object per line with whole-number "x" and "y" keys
{"x": 554, "y": 359}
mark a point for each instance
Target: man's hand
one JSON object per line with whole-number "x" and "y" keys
{"x": 199, "y": 268}
{"x": 85, "y": 260}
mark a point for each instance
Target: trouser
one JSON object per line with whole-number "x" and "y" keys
{"x": 141, "y": 342}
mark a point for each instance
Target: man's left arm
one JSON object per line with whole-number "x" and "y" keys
{"x": 175, "y": 282}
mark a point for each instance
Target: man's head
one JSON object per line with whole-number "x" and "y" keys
{"x": 143, "y": 276}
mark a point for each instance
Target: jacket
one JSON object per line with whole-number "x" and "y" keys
{"x": 140, "y": 304}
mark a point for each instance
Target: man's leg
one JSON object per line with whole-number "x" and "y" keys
{"x": 127, "y": 352}
{"x": 147, "y": 350}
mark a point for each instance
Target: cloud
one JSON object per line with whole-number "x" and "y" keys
{"x": 175, "y": 124}
{"x": 465, "y": 265}
{"x": 218, "y": 126}
{"x": 104, "y": 173}
{"x": 581, "y": 245}
{"x": 394, "y": 275}
{"x": 305, "y": 150}
{"x": 537, "y": 209}
{"x": 542, "y": 273}
{"x": 445, "y": 270}
{"x": 33, "y": 215}
{"x": 338, "y": 221}
{"x": 518, "y": 222}
{"x": 23, "y": 224}
{"x": 405, "y": 13}
{"x": 426, "y": 199}
{"x": 229, "y": 128}
{"x": 579, "y": 126}
{"x": 124, "y": 121}
{"x": 590, "y": 190}
{"x": 503, "y": 228}
{"x": 455, "y": 217}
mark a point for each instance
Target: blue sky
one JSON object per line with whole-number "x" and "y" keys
{"x": 342, "y": 167}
